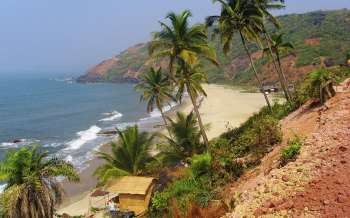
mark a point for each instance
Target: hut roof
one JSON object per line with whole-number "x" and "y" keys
{"x": 98, "y": 193}
{"x": 130, "y": 185}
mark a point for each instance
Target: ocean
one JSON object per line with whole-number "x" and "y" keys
{"x": 65, "y": 117}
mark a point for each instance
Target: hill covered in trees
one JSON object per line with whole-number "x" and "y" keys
{"x": 318, "y": 37}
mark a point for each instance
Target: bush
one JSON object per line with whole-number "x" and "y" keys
{"x": 308, "y": 88}
{"x": 201, "y": 165}
{"x": 256, "y": 136}
{"x": 184, "y": 192}
{"x": 291, "y": 152}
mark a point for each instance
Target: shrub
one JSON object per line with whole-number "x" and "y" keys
{"x": 291, "y": 152}
{"x": 155, "y": 165}
{"x": 201, "y": 164}
{"x": 260, "y": 133}
{"x": 183, "y": 191}
{"x": 253, "y": 138}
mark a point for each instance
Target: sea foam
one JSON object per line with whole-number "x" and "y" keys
{"x": 112, "y": 116}
{"x": 156, "y": 113}
{"x": 84, "y": 137}
{"x": 2, "y": 187}
{"x": 21, "y": 143}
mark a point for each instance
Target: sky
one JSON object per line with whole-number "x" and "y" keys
{"x": 72, "y": 35}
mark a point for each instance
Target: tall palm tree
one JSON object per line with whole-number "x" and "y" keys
{"x": 186, "y": 138}
{"x": 128, "y": 157}
{"x": 179, "y": 41}
{"x": 156, "y": 90}
{"x": 184, "y": 45}
{"x": 31, "y": 189}
{"x": 244, "y": 18}
{"x": 276, "y": 47}
{"x": 190, "y": 78}
{"x": 265, "y": 6}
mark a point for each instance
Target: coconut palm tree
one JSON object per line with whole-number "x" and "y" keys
{"x": 190, "y": 78}
{"x": 31, "y": 189}
{"x": 277, "y": 46}
{"x": 156, "y": 90}
{"x": 244, "y": 18}
{"x": 179, "y": 41}
{"x": 184, "y": 45}
{"x": 128, "y": 156}
{"x": 186, "y": 138}
{"x": 265, "y": 6}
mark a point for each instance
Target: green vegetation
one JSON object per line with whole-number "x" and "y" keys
{"x": 156, "y": 90}
{"x": 185, "y": 141}
{"x": 194, "y": 187}
{"x": 32, "y": 189}
{"x": 128, "y": 156}
{"x": 291, "y": 151}
{"x": 247, "y": 20}
{"x": 278, "y": 47}
{"x": 184, "y": 46}
{"x": 332, "y": 28}
{"x": 317, "y": 83}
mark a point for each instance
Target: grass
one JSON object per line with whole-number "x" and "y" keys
{"x": 291, "y": 152}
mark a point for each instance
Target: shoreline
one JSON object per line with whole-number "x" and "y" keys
{"x": 75, "y": 192}
{"x": 225, "y": 107}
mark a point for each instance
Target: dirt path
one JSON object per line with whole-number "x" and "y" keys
{"x": 317, "y": 183}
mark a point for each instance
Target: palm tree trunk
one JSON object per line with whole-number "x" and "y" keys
{"x": 255, "y": 72}
{"x": 278, "y": 70}
{"x": 281, "y": 70}
{"x": 164, "y": 119}
{"x": 195, "y": 108}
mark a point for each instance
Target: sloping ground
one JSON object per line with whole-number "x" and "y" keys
{"x": 317, "y": 183}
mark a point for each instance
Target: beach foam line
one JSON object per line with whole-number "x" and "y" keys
{"x": 156, "y": 113}
{"x": 21, "y": 143}
{"x": 84, "y": 137}
{"x": 2, "y": 187}
{"x": 114, "y": 115}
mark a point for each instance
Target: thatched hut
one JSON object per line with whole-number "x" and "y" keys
{"x": 134, "y": 192}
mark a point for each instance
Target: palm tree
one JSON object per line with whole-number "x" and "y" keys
{"x": 156, "y": 90}
{"x": 31, "y": 189}
{"x": 277, "y": 46}
{"x": 186, "y": 138}
{"x": 245, "y": 18}
{"x": 265, "y": 6}
{"x": 180, "y": 42}
{"x": 190, "y": 78}
{"x": 128, "y": 156}
{"x": 184, "y": 45}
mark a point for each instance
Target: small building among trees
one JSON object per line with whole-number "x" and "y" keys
{"x": 134, "y": 192}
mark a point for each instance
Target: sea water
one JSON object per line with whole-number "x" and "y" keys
{"x": 63, "y": 116}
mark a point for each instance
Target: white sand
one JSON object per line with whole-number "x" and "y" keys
{"x": 224, "y": 108}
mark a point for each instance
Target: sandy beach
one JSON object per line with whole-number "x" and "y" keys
{"x": 225, "y": 107}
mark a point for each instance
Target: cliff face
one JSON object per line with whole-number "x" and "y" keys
{"x": 317, "y": 37}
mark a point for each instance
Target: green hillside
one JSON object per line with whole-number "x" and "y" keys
{"x": 314, "y": 35}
